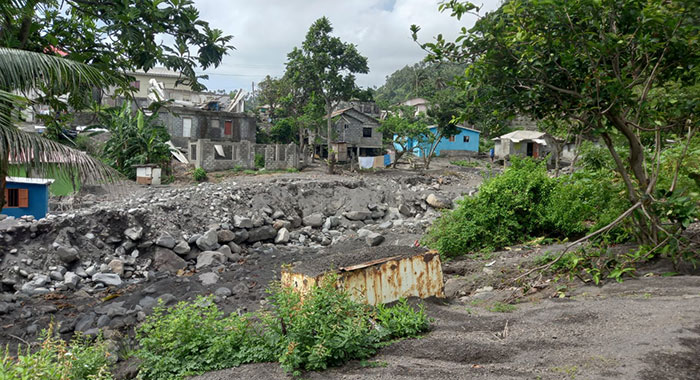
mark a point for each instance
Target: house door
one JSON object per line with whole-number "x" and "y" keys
{"x": 530, "y": 149}
{"x": 228, "y": 127}
{"x": 536, "y": 151}
{"x": 186, "y": 127}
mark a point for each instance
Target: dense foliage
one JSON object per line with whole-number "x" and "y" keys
{"x": 326, "y": 329}
{"x": 55, "y": 360}
{"x": 135, "y": 138}
{"x": 630, "y": 78}
{"x": 523, "y": 203}
{"x": 421, "y": 80}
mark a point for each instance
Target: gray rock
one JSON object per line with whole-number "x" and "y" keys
{"x": 103, "y": 321}
{"x": 117, "y": 267}
{"x": 313, "y": 220}
{"x": 56, "y": 275}
{"x": 358, "y": 215}
{"x": 279, "y": 224}
{"x": 182, "y": 248}
{"x": 209, "y": 241}
{"x": 240, "y": 289}
{"x": 222, "y": 292}
{"x": 225, "y": 236}
{"x": 363, "y": 233}
{"x": 386, "y": 225}
{"x": 85, "y": 322}
{"x": 262, "y": 233}
{"x": 242, "y": 222}
{"x": 68, "y": 255}
{"x": 110, "y": 279}
{"x": 282, "y": 236}
{"x": 438, "y": 202}
{"x": 147, "y": 302}
{"x": 134, "y": 233}
{"x": 455, "y": 287}
{"x": 405, "y": 210}
{"x": 209, "y": 278}
{"x": 279, "y": 214}
{"x": 166, "y": 240}
{"x": 241, "y": 236}
{"x": 374, "y": 239}
{"x": 331, "y": 221}
{"x": 209, "y": 258}
{"x": 165, "y": 260}
{"x": 71, "y": 280}
{"x": 234, "y": 247}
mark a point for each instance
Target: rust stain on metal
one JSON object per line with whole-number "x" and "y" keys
{"x": 383, "y": 280}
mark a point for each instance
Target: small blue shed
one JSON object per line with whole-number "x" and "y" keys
{"x": 467, "y": 140}
{"x": 26, "y": 196}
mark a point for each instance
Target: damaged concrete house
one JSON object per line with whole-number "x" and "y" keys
{"x": 355, "y": 134}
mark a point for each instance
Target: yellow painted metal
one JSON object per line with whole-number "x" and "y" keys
{"x": 381, "y": 281}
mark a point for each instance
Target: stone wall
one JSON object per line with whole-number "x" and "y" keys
{"x": 203, "y": 154}
{"x": 207, "y": 125}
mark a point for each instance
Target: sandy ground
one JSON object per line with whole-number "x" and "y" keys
{"x": 646, "y": 328}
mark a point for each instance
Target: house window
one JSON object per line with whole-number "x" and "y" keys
{"x": 223, "y": 152}
{"x": 186, "y": 127}
{"x": 452, "y": 139}
{"x": 366, "y": 132}
{"x": 16, "y": 198}
{"x": 193, "y": 152}
{"x": 136, "y": 84}
{"x": 466, "y": 138}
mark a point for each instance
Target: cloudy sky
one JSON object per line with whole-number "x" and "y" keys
{"x": 266, "y": 30}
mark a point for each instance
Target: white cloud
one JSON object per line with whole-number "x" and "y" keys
{"x": 266, "y": 30}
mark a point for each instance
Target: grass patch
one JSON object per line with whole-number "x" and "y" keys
{"x": 500, "y": 307}
{"x": 465, "y": 163}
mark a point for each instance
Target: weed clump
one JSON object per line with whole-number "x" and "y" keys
{"x": 324, "y": 329}
{"x": 199, "y": 175}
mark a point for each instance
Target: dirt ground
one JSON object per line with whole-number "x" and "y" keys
{"x": 647, "y": 328}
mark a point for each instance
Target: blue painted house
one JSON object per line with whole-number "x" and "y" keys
{"x": 467, "y": 140}
{"x": 26, "y": 196}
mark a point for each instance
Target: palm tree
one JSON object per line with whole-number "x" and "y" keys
{"x": 22, "y": 72}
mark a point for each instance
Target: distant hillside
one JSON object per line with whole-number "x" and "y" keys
{"x": 419, "y": 80}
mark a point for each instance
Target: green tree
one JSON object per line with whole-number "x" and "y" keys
{"x": 421, "y": 80}
{"x": 626, "y": 68}
{"x": 272, "y": 91}
{"x": 116, "y": 36}
{"x": 405, "y": 129}
{"x": 445, "y": 107}
{"x": 326, "y": 66}
{"x": 21, "y": 72}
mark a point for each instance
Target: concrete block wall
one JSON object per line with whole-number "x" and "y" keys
{"x": 242, "y": 154}
{"x": 280, "y": 157}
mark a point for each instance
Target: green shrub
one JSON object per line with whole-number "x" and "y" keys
{"x": 199, "y": 174}
{"x": 524, "y": 202}
{"x": 326, "y": 329}
{"x": 238, "y": 168}
{"x": 55, "y": 360}
{"x": 250, "y": 172}
{"x": 259, "y": 161}
{"x": 465, "y": 163}
{"x": 292, "y": 170}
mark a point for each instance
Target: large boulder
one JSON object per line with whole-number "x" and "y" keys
{"x": 209, "y": 241}
{"x": 182, "y": 248}
{"x": 313, "y": 220}
{"x": 225, "y": 236}
{"x": 209, "y": 258}
{"x": 134, "y": 233}
{"x": 358, "y": 215}
{"x": 437, "y": 201}
{"x": 110, "y": 279}
{"x": 282, "y": 236}
{"x": 67, "y": 254}
{"x": 373, "y": 239}
{"x": 166, "y": 260}
{"x": 262, "y": 233}
{"x": 166, "y": 240}
{"x": 242, "y": 222}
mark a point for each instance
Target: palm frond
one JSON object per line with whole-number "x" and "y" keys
{"x": 25, "y": 70}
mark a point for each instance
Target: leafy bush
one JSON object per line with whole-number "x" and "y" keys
{"x": 524, "y": 202}
{"x": 55, "y": 360}
{"x": 259, "y": 161}
{"x": 465, "y": 163}
{"x": 326, "y": 329}
{"x": 199, "y": 174}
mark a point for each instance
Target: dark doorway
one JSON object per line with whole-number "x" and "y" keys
{"x": 530, "y": 149}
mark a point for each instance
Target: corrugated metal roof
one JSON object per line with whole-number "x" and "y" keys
{"x": 518, "y": 136}
{"x": 35, "y": 181}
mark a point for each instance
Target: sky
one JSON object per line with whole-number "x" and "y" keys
{"x": 264, "y": 31}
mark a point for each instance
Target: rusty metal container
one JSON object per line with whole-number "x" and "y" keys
{"x": 397, "y": 272}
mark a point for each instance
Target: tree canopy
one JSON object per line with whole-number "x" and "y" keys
{"x": 627, "y": 70}
{"x": 116, "y": 36}
{"x": 421, "y": 80}
{"x": 326, "y": 66}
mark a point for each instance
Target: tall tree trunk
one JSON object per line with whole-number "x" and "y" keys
{"x": 4, "y": 165}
